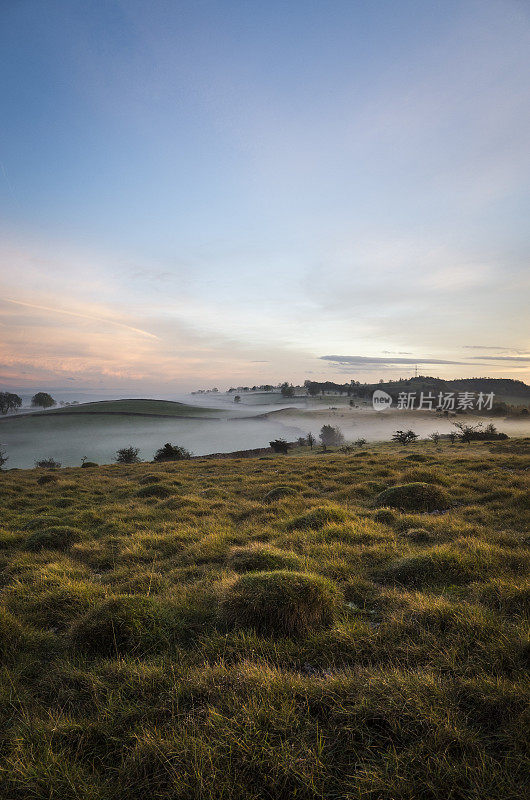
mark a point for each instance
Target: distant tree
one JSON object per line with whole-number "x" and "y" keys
{"x": 47, "y": 463}
{"x": 330, "y": 436}
{"x": 280, "y": 446}
{"x": 404, "y": 437}
{"x": 9, "y": 402}
{"x": 312, "y": 388}
{"x": 310, "y": 440}
{"x": 3, "y": 457}
{"x": 237, "y": 398}
{"x": 127, "y": 455}
{"x": 42, "y": 400}
{"x": 360, "y": 442}
{"x": 302, "y": 441}
{"x": 435, "y": 437}
{"x": 171, "y": 452}
{"x": 452, "y": 437}
{"x": 286, "y": 390}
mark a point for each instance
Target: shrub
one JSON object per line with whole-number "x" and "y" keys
{"x": 413, "y": 497}
{"x": 280, "y": 446}
{"x": 261, "y": 557}
{"x": 330, "y": 436}
{"x": 154, "y": 490}
{"x": 58, "y": 537}
{"x": 404, "y": 437}
{"x": 278, "y": 492}
{"x": 4, "y": 458}
{"x": 317, "y": 518}
{"x": 171, "y": 452}
{"x": 121, "y": 624}
{"x": 127, "y": 455}
{"x": 283, "y": 602}
{"x": 47, "y": 463}
{"x": 89, "y": 464}
{"x": 42, "y": 479}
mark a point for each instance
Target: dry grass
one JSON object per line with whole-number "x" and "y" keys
{"x": 259, "y": 628}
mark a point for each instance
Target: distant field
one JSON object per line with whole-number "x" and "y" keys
{"x": 159, "y": 408}
{"x": 315, "y": 626}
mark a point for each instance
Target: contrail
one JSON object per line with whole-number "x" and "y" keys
{"x": 83, "y": 316}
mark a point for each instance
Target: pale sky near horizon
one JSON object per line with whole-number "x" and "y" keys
{"x": 215, "y": 193}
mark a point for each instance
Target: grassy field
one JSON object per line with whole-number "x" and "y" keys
{"x": 311, "y": 626}
{"x": 159, "y": 408}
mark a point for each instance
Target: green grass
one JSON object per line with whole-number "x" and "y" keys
{"x": 158, "y": 408}
{"x": 261, "y": 628}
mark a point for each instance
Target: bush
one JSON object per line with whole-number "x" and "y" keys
{"x": 280, "y": 446}
{"x": 121, "y": 624}
{"x": 89, "y": 464}
{"x": 171, "y": 452}
{"x": 154, "y": 490}
{"x": 58, "y": 537}
{"x": 47, "y": 463}
{"x": 404, "y": 437}
{"x": 317, "y": 518}
{"x": 127, "y": 455}
{"x": 283, "y": 602}
{"x": 330, "y": 436}
{"x": 278, "y": 492}
{"x": 413, "y": 497}
{"x": 262, "y": 557}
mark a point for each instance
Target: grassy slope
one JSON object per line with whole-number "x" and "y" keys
{"x": 163, "y": 408}
{"x": 418, "y": 690}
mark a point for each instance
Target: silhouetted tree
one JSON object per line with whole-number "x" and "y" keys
{"x": 404, "y": 437}
{"x": 237, "y": 398}
{"x": 42, "y": 400}
{"x": 310, "y": 440}
{"x": 9, "y": 402}
{"x": 171, "y": 452}
{"x": 3, "y": 457}
{"x": 330, "y": 436}
{"x": 280, "y": 446}
{"x": 286, "y": 390}
{"x": 127, "y": 455}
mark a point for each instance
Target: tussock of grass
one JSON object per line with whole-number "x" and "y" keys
{"x": 56, "y": 537}
{"x": 414, "y": 497}
{"x": 158, "y": 490}
{"x": 261, "y": 557}
{"x": 317, "y": 518}
{"x": 122, "y": 624}
{"x": 281, "y": 602}
{"x": 278, "y": 492}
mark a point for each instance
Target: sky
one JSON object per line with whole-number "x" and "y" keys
{"x": 202, "y": 193}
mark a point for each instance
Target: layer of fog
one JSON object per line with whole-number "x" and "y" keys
{"x": 68, "y": 438}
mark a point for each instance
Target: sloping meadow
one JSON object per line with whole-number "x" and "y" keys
{"x": 311, "y": 626}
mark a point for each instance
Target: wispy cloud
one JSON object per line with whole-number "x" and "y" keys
{"x": 104, "y": 320}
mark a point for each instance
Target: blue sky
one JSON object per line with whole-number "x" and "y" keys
{"x": 227, "y": 192}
